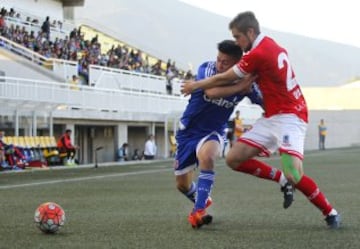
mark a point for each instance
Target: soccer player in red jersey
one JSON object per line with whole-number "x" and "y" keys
{"x": 284, "y": 123}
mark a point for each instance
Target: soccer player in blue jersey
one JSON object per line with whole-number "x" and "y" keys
{"x": 201, "y": 128}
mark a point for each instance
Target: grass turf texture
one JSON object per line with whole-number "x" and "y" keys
{"x": 108, "y": 208}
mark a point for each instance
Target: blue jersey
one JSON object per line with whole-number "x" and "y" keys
{"x": 204, "y": 119}
{"x": 204, "y": 115}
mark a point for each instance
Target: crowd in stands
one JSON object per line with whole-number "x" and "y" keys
{"x": 75, "y": 47}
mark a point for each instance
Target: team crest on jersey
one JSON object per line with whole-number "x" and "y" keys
{"x": 286, "y": 141}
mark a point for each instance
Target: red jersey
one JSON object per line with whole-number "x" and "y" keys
{"x": 65, "y": 142}
{"x": 276, "y": 79}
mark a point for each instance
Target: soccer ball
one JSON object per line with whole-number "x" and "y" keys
{"x": 49, "y": 217}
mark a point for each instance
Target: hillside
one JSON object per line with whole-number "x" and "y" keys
{"x": 188, "y": 35}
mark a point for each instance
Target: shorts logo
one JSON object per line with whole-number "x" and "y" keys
{"x": 286, "y": 141}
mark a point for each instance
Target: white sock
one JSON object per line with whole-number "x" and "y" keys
{"x": 333, "y": 212}
{"x": 282, "y": 180}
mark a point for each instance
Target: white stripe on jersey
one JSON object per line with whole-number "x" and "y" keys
{"x": 210, "y": 69}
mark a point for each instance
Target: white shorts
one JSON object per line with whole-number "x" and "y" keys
{"x": 283, "y": 132}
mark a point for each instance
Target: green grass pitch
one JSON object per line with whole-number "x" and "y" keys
{"x": 137, "y": 206}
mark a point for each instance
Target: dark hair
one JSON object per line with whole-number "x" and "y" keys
{"x": 229, "y": 47}
{"x": 68, "y": 130}
{"x": 245, "y": 21}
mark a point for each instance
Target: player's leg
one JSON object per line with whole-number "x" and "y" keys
{"x": 185, "y": 164}
{"x": 294, "y": 172}
{"x": 208, "y": 150}
{"x": 259, "y": 140}
{"x": 292, "y": 149}
{"x": 186, "y": 185}
{"x": 207, "y": 154}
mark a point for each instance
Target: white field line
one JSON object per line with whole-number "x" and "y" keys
{"x": 86, "y": 178}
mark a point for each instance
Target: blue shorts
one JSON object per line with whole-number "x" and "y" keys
{"x": 187, "y": 148}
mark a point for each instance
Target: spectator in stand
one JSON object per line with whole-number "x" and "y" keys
{"x": 121, "y": 57}
{"x": 65, "y": 145}
{"x": 188, "y": 75}
{"x": 2, "y": 24}
{"x": 95, "y": 39}
{"x": 73, "y": 34}
{"x": 12, "y": 13}
{"x": 3, "y": 11}
{"x": 156, "y": 68}
{"x": 45, "y": 27}
{"x": 171, "y": 74}
{"x": 74, "y": 83}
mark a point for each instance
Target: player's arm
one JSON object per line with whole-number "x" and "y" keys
{"x": 217, "y": 80}
{"x": 227, "y": 90}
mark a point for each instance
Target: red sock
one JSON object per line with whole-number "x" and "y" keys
{"x": 309, "y": 188}
{"x": 259, "y": 169}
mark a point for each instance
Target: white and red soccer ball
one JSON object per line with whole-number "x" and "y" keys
{"x": 49, "y": 217}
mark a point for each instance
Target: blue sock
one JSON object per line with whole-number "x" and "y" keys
{"x": 204, "y": 186}
{"x": 191, "y": 193}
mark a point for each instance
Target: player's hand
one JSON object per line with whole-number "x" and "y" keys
{"x": 187, "y": 87}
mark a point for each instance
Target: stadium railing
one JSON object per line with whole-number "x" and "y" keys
{"x": 61, "y": 68}
{"x": 112, "y": 78}
{"x": 60, "y": 96}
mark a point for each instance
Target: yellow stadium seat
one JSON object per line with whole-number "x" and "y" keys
{"x": 21, "y": 141}
{"x": 37, "y": 141}
{"x": 43, "y": 142}
{"x": 53, "y": 141}
{"x": 49, "y": 142}
{"x": 32, "y": 142}
{"x": 28, "y": 142}
{"x": 6, "y": 140}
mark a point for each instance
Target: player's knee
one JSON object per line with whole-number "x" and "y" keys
{"x": 232, "y": 161}
{"x": 292, "y": 168}
{"x": 290, "y": 178}
{"x": 207, "y": 163}
{"x": 181, "y": 186}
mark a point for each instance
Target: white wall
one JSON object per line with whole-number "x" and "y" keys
{"x": 41, "y": 8}
{"x": 14, "y": 68}
{"x": 343, "y": 129}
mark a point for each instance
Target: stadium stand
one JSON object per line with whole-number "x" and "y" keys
{"x": 82, "y": 44}
{"x": 124, "y": 98}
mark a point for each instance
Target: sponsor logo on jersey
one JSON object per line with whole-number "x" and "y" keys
{"x": 222, "y": 102}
